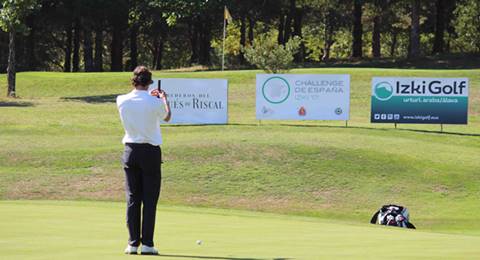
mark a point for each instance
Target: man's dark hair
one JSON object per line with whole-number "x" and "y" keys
{"x": 141, "y": 76}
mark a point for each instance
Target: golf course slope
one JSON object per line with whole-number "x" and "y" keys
{"x": 96, "y": 230}
{"x": 61, "y": 141}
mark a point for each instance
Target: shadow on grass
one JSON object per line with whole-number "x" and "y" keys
{"x": 331, "y": 126}
{"x": 438, "y": 132}
{"x": 219, "y": 257}
{"x": 16, "y": 104}
{"x": 205, "y": 125}
{"x": 386, "y": 129}
{"x": 94, "y": 99}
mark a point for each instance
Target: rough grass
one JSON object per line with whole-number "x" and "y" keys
{"x": 61, "y": 140}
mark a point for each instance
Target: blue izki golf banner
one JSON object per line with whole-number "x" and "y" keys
{"x": 419, "y": 100}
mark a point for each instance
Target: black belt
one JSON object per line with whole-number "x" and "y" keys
{"x": 140, "y": 145}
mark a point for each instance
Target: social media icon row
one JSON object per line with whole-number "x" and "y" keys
{"x": 386, "y": 116}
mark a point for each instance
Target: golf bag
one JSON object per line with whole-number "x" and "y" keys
{"x": 392, "y": 215}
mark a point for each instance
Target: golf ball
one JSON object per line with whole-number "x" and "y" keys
{"x": 199, "y": 242}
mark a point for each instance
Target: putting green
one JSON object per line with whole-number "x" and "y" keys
{"x": 61, "y": 141}
{"x": 96, "y": 230}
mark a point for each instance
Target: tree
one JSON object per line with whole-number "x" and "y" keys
{"x": 88, "y": 50}
{"x": 180, "y": 33}
{"x": 12, "y": 17}
{"x": 136, "y": 13}
{"x": 376, "y": 33}
{"x": 118, "y": 21}
{"x": 91, "y": 15}
{"x": 242, "y": 9}
{"x": 357, "y": 31}
{"x": 328, "y": 17}
{"x": 381, "y": 20}
{"x": 467, "y": 25}
{"x": 243, "y": 36}
{"x": 298, "y": 21}
{"x": 154, "y": 18}
{"x": 31, "y": 42}
{"x": 393, "y": 27}
{"x": 439, "y": 42}
{"x": 414, "y": 50}
{"x": 68, "y": 13}
{"x": 76, "y": 46}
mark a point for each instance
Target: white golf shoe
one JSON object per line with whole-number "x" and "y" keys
{"x": 131, "y": 250}
{"x": 149, "y": 250}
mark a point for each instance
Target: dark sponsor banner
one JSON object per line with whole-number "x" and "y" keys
{"x": 419, "y": 100}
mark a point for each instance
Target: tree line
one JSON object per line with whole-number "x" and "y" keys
{"x": 117, "y": 35}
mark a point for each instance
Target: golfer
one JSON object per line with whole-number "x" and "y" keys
{"x": 140, "y": 113}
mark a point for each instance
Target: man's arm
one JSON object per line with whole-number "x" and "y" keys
{"x": 162, "y": 95}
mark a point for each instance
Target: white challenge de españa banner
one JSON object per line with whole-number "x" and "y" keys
{"x": 303, "y": 97}
{"x": 196, "y": 101}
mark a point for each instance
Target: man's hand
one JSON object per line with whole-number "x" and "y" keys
{"x": 162, "y": 94}
{"x": 159, "y": 93}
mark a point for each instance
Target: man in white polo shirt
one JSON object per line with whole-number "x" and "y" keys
{"x": 141, "y": 113}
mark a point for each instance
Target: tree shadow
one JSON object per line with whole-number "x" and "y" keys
{"x": 219, "y": 257}
{"x": 437, "y": 132}
{"x": 196, "y": 125}
{"x": 331, "y": 126}
{"x": 94, "y": 99}
{"x": 386, "y": 129}
{"x": 16, "y": 104}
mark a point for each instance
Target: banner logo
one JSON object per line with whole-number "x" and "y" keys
{"x": 276, "y": 90}
{"x": 338, "y": 111}
{"x": 302, "y": 111}
{"x": 383, "y": 91}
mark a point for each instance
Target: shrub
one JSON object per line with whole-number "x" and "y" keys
{"x": 268, "y": 55}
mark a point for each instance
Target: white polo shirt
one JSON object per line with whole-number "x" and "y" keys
{"x": 141, "y": 114}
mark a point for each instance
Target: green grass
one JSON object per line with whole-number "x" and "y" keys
{"x": 95, "y": 230}
{"x": 61, "y": 140}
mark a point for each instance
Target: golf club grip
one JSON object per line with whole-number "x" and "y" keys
{"x": 159, "y": 87}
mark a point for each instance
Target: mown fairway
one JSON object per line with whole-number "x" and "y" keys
{"x": 95, "y": 230}
{"x": 61, "y": 140}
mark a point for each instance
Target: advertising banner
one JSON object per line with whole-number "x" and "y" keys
{"x": 303, "y": 97}
{"x": 196, "y": 101}
{"x": 419, "y": 100}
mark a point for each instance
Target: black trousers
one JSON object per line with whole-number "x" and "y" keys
{"x": 141, "y": 163}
